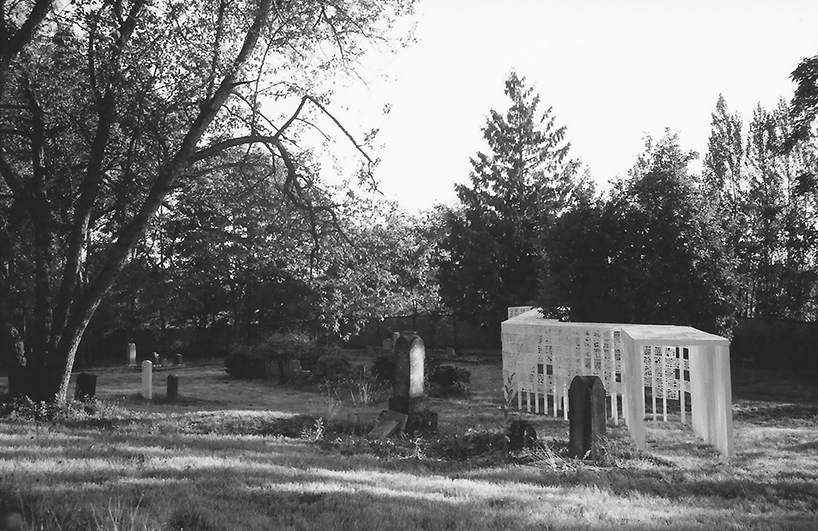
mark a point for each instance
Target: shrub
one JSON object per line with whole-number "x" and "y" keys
{"x": 383, "y": 368}
{"x": 448, "y": 380}
{"x": 250, "y": 361}
{"x": 333, "y": 365}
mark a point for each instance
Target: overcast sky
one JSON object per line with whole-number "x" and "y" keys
{"x": 613, "y": 70}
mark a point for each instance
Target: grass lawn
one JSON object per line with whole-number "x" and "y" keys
{"x": 253, "y": 455}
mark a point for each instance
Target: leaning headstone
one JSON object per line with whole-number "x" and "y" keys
{"x": 130, "y": 353}
{"x": 389, "y": 423}
{"x": 407, "y": 389}
{"x": 86, "y": 387}
{"x": 173, "y": 387}
{"x": 147, "y": 379}
{"x": 586, "y": 417}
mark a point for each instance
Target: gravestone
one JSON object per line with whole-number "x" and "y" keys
{"x": 586, "y": 416}
{"x": 86, "y": 387}
{"x": 178, "y": 359}
{"x": 173, "y": 387}
{"x": 155, "y": 358}
{"x": 521, "y": 434}
{"x": 387, "y": 343}
{"x": 130, "y": 354}
{"x": 147, "y": 379}
{"x": 407, "y": 388}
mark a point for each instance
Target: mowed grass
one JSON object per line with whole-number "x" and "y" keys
{"x": 252, "y": 455}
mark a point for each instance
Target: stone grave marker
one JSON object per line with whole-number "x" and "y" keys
{"x": 147, "y": 379}
{"x": 586, "y": 416}
{"x": 86, "y": 387}
{"x": 407, "y": 388}
{"x": 177, "y": 359}
{"x": 130, "y": 354}
{"x": 173, "y": 387}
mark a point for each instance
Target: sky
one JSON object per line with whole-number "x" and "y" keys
{"x": 612, "y": 70}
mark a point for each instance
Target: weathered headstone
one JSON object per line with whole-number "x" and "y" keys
{"x": 130, "y": 354}
{"x": 147, "y": 379}
{"x": 407, "y": 389}
{"x": 86, "y": 387}
{"x": 586, "y": 416}
{"x": 173, "y": 387}
{"x": 177, "y": 359}
{"x": 387, "y": 343}
{"x": 155, "y": 358}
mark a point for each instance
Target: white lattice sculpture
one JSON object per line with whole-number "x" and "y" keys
{"x": 679, "y": 364}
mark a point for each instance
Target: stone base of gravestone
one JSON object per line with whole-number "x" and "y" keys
{"x": 419, "y": 422}
{"x": 405, "y": 405}
{"x": 173, "y": 387}
{"x": 586, "y": 417}
{"x": 521, "y": 434}
{"x": 86, "y": 387}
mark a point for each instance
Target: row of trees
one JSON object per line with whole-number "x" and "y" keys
{"x": 664, "y": 245}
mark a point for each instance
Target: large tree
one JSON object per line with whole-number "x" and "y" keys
{"x": 490, "y": 257}
{"x": 108, "y": 107}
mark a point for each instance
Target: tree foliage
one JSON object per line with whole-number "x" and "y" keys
{"x": 490, "y": 258}
{"x": 108, "y": 108}
{"x": 651, "y": 253}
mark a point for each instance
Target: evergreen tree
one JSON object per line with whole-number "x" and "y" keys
{"x": 490, "y": 257}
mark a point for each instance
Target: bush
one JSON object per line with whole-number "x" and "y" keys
{"x": 250, "y": 361}
{"x": 448, "y": 380}
{"x": 383, "y": 367}
{"x": 332, "y": 365}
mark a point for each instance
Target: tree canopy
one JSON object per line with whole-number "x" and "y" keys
{"x": 108, "y": 109}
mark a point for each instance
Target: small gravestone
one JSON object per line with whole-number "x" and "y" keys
{"x": 155, "y": 358}
{"x": 387, "y": 343}
{"x": 130, "y": 354}
{"x": 178, "y": 359}
{"x": 173, "y": 387}
{"x": 521, "y": 434}
{"x": 586, "y": 407}
{"x": 147, "y": 379}
{"x": 86, "y": 387}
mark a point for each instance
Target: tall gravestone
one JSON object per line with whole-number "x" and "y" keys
{"x": 173, "y": 387}
{"x": 130, "y": 354}
{"x": 147, "y": 379}
{"x": 586, "y": 417}
{"x": 407, "y": 388}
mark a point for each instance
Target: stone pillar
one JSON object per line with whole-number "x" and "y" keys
{"x": 173, "y": 387}
{"x": 407, "y": 389}
{"x": 586, "y": 406}
{"x": 130, "y": 354}
{"x": 147, "y": 379}
{"x": 86, "y": 387}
